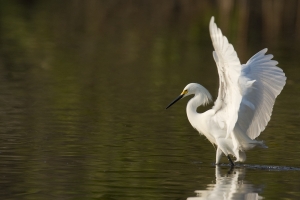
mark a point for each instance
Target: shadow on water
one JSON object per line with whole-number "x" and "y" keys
{"x": 262, "y": 167}
{"x": 229, "y": 185}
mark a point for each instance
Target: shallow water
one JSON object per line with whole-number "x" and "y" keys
{"x": 83, "y": 91}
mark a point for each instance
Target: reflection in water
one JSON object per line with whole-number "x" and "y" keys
{"x": 229, "y": 186}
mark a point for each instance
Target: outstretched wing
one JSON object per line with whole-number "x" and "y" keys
{"x": 267, "y": 81}
{"x": 229, "y": 69}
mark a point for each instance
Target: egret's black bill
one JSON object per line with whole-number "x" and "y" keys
{"x": 177, "y": 99}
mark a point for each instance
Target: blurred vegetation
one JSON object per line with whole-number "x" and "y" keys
{"x": 33, "y": 31}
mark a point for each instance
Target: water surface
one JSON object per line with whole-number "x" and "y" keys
{"x": 83, "y": 91}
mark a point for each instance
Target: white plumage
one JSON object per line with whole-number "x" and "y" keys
{"x": 245, "y": 100}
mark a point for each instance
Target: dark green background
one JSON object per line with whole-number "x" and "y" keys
{"x": 84, "y": 85}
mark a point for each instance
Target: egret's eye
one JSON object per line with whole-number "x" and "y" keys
{"x": 184, "y": 92}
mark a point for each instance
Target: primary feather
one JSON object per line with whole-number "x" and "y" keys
{"x": 269, "y": 81}
{"x": 229, "y": 69}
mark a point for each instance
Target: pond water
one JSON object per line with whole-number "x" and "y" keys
{"x": 83, "y": 91}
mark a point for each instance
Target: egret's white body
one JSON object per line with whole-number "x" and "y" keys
{"x": 245, "y": 99}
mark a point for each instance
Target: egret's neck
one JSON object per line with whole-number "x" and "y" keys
{"x": 191, "y": 108}
{"x": 199, "y": 120}
{"x": 202, "y": 97}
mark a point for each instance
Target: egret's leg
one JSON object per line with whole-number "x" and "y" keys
{"x": 225, "y": 145}
{"x": 232, "y": 164}
{"x": 218, "y": 155}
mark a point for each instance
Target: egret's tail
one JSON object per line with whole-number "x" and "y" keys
{"x": 261, "y": 144}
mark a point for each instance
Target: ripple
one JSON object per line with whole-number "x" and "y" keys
{"x": 263, "y": 167}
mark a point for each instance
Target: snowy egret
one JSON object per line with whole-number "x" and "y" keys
{"x": 245, "y": 100}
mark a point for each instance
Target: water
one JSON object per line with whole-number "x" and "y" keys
{"x": 83, "y": 91}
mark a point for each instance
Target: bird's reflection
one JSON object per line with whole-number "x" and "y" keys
{"x": 230, "y": 185}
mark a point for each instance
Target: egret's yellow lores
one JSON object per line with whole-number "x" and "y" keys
{"x": 245, "y": 100}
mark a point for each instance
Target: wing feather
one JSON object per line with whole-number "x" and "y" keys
{"x": 229, "y": 70}
{"x": 269, "y": 82}
{"x": 247, "y": 92}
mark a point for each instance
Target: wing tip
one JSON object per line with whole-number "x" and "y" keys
{"x": 264, "y": 51}
{"x": 211, "y": 23}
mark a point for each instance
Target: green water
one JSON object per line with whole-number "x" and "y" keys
{"x": 83, "y": 91}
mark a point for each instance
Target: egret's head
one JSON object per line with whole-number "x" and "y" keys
{"x": 192, "y": 88}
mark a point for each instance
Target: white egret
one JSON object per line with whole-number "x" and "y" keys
{"x": 245, "y": 99}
